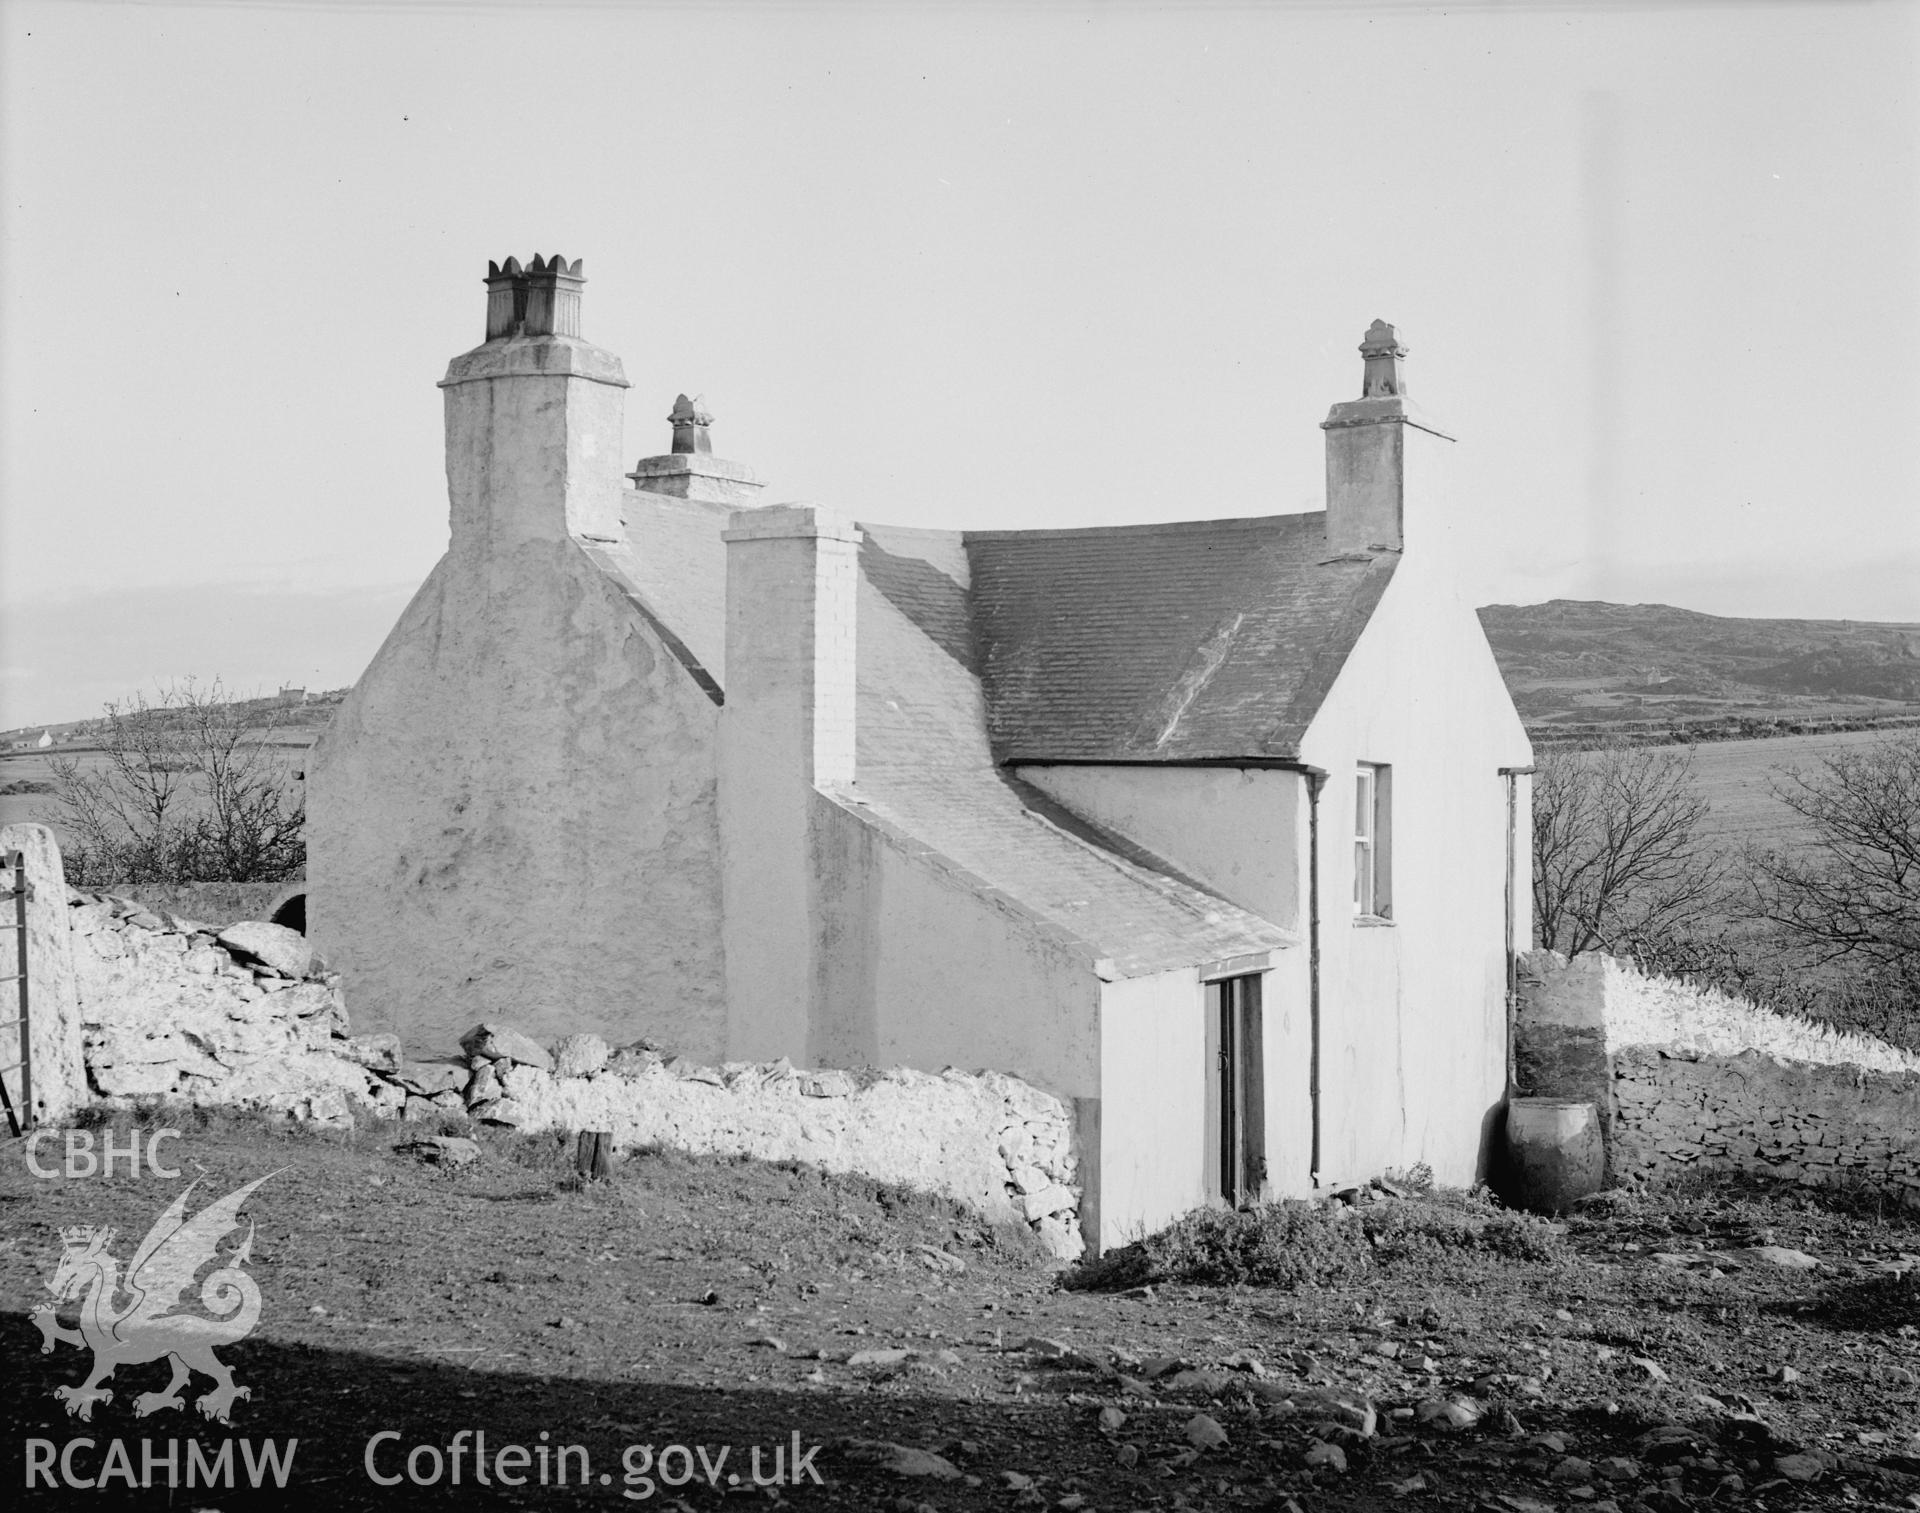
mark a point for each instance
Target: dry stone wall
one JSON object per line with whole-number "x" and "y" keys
{"x": 170, "y": 1007}
{"x": 1817, "y": 1125}
{"x": 247, "y": 1015}
{"x": 993, "y": 1142}
{"x": 1687, "y": 1076}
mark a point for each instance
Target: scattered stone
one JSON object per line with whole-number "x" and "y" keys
{"x": 1204, "y": 1432}
{"x": 1448, "y": 1413}
{"x": 1800, "y": 1467}
{"x": 1573, "y": 1469}
{"x": 830, "y": 1083}
{"x": 878, "y": 1357}
{"x": 446, "y": 1150}
{"x": 285, "y": 951}
{"x": 1667, "y": 1442}
{"x": 902, "y": 1460}
{"x": 1654, "y": 1370}
{"x": 1112, "y": 1420}
{"x": 499, "y": 1042}
{"x": 1781, "y": 1256}
{"x": 1320, "y": 1453}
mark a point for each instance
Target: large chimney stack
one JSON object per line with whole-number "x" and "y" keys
{"x": 787, "y": 730}
{"x": 1384, "y": 457}
{"x": 533, "y": 418}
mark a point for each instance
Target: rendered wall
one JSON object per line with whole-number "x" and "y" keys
{"x": 1414, "y": 1011}
{"x": 1153, "y": 1103}
{"x": 1235, "y": 829}
{"x": 512, "y": 816}
{"x": 920, "y": 965}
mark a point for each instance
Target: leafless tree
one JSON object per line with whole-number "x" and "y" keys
{"x": 1853, "y": 895}
{"x": 1619, "y": 859}
{"x": 185, "y": 791}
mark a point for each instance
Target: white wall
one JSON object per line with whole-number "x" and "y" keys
{"x": 792, "y": 581}
{"x": 1414, "y": 1013}
{"x": 923, "y": 966}
{"x": 1235, "y": 829}
{"x": 512, "y": 817}
{"x": 1154, "y": 1082}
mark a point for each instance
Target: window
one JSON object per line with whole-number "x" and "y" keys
{"x": 1372, "y": 835}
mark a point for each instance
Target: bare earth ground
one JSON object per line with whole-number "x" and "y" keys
{"x": 711, "y": 1303}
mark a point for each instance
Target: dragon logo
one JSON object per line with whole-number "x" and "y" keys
{"x": 153, "y": 1324}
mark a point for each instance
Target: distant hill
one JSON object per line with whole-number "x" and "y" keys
{"x": 295, "y": 718}
{"x": 1582, "y": 668}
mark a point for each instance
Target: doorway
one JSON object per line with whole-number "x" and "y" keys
{"x": 1237, "y": 1090}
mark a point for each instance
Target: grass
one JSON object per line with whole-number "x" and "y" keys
{"x": 1737, "y": 779}
{"x": 1296, "y": 1243}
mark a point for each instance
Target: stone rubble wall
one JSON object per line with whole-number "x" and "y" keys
{"x": 1686, "y": 1076}
{"x": 169, "y": 1009}
{"x": 247, "y": 1016}
{"x": 1822, "y": 1126}
{"x": 998, "y": 1144}
{"x": 222, "y": 903}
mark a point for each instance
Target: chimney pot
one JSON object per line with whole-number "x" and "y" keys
{"x": 542, "y": 299}
{"x": 1382, "y": 349}
{"x": 690, "y": 419}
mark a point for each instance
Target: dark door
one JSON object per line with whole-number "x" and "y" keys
{"x": 1240, "y": 1096}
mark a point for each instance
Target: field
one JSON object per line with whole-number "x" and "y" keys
{"x": 24, "y": 769}
{"x": 935, "y": 1362}
{"x": 1736, "y": 777}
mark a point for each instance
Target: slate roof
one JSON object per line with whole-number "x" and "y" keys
{"x": 1214, "y": 640}
{"x": 1209, "y": 640}
{"x": 928, "y": 779}
{"x": 673, "y": 569}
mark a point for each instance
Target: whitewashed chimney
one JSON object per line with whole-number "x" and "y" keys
{"x": 533, "y": 418}
{"x": 787, "y": 730}
{"x": 1385, "y": 458}
{"x": 690, "y": 470}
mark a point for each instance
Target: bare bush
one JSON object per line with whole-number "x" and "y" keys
{"x": 1620, "y": 863}
{"x": 185, "y": 791}
{"x": 1848, "y": 899}
{"x": 1855, "y": 893}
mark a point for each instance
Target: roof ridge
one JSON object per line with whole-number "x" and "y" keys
{"x": 1146, "y": 528}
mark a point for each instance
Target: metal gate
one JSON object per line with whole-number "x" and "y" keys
{"x": 19, "y": 891}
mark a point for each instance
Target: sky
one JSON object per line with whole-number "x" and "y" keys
{"x": 1657, "y": 265}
